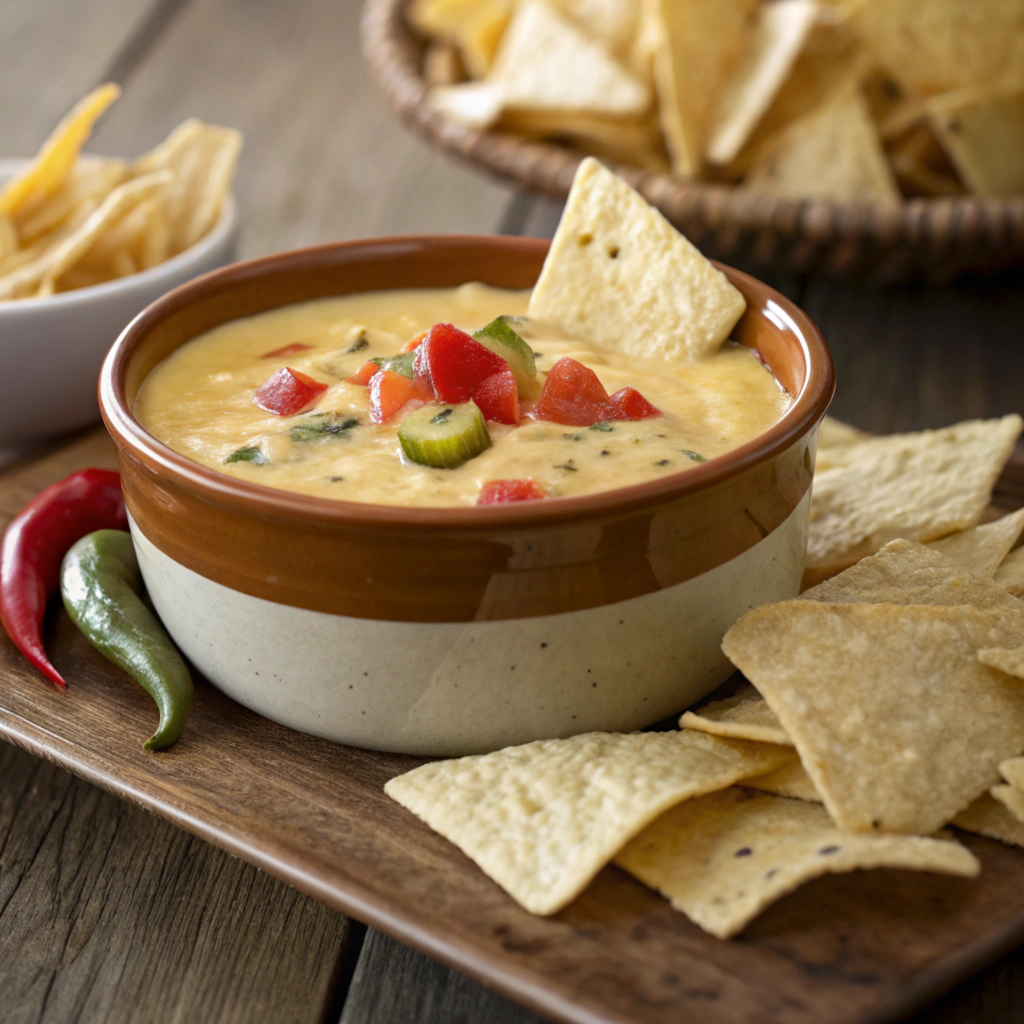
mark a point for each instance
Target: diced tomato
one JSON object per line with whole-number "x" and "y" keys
{"x": 454, "y": 364}
{"x": 288, "y": 392}
{"x": 287, "y": 350}
{"x": 629, "y": 404}
{"x": 498, "y": 398}
{"x": 574, "y": 395}
{"x": 364, "y": 374}
{"x": 389, "y": 391}
{"x": 414, "y": 343}
{"x": 497, "y": 492}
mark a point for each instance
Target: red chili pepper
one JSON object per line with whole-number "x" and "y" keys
{"x": 35, "y": 544}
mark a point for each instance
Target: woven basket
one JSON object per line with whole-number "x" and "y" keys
{"x": 925, "y": 239}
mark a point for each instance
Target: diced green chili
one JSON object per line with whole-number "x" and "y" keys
{"x": 607, "y": 428}
{"x": 102, "y": 588}
{"x": 322, "y": 425}
{"x": 696, "y": 456}
{"x": 402, "y": 363}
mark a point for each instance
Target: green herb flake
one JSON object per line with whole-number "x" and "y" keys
{"x": 573, "y": 437}
{"x": 321, "y": 425}
{"x": 662, "y": 462}
{"x": 569, "y": 465}
{"x": 443, "y": 416}
{"x": 606, "y": 428}
{"x": 696, "y": 456}
{"x": 252, "y": 453}
{"x": 402, "y": 363}
{"x": 358, "y": 345}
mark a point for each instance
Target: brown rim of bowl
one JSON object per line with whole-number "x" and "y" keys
{"x": 807, "y": 409}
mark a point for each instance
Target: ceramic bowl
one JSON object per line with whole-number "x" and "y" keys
{"x": 446, "y": 631}
{"x": 51, "y": 349}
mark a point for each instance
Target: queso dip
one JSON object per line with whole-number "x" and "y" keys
{"x": 200, "y": 401}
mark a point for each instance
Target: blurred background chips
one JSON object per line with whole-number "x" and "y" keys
{"x": 869, "y": 100}
{"x": 69, "y": 220}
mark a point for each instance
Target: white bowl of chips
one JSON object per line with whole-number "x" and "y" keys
{"x": 86, "y": 243}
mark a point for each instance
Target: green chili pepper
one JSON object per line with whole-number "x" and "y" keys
{"x": 101, "y": 586}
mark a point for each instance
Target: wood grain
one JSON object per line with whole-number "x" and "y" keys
{"x": 846, "y": 949}
{"x": 139, "y": 916}
{"x": 323, "y": 159}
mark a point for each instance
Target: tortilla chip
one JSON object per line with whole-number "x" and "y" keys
{"x": 480, "y": 35}
{"x": 1007, "y": 659}
{"x": 790, "y": 780}
{"x": 701, "y": 44}
{"x": 896, "y": 721}
{"x": 744, "y": 716}
{"x": 1013, "y": 771}
{"x": 542, "y": 819}
{"x": 919, "y": 486}
{"x": 202, "y": 159}
{"x": 614, "y": 22}
{"x": 779, "y": 32}
{"x": 618, "y": 274}
{"x": 1010, "y": 574}
{"x": 983, "y": 548}
{"x": 831, "y": 55}
{"x": 932, "y": 46}
{"x": 39, "y": 179}
{"x": 833, "y": 433}
{"x": 982, "y": 133}
{"x": 724, "y": 858}
{"x": 988, "y": 817}
{"x": 40, "y": 276}
{"x": 832, "y": 153}
{"x": 906, "y": 573}
{"x": 1011, "y": 798}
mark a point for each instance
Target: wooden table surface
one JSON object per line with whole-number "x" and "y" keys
{"x": 108, "y": 914}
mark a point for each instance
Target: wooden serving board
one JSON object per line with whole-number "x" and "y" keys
{"x": 843, "y": 950}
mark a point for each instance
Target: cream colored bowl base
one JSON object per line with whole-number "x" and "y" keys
{"x": 464, "y": 688}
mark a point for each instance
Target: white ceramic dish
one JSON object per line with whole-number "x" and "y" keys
{"x": 51, "y": 349}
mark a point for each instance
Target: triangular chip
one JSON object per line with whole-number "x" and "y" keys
{"x": 983, "y": 548}
{"x": 618, "y": 274}
{"x": 1012, "y": 770}
{"x": 988, "y": 817}
{"x": 919, "y": 486}
{"x": 982, "y": 133}
{"x": 542, "y": 819}
{"x": 907, "y": 573}
{"x": 1007, "y": 659}
{"x": 779, "y": 32}
{"x": 832, "y": 153}
{"x": 44, "y": 175}
{"x": 743, "y": 716}
{"x": 1010, "y": 574}
{"x": 701, "y": 45}
{"x": 1011, "y": 798}
{"x": 896, "y": 721}
{"x": 790, "y": 780}
{"x": 614, "y": 22}
{"x": 931, "y": 46}
{"x": 724, "y": 858}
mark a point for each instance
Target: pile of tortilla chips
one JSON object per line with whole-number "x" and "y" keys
{"x": 69, "y": 220}
{"x": 863, "y": 100}
{"x": 883, "y": 704}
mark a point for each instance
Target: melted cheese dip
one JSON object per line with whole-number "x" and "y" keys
{"x": 199, "y": 401}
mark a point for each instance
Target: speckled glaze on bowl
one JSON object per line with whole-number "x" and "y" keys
{"x": 448, "y": 631}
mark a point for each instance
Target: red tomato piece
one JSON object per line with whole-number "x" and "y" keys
{"x": 414, "y": 343}
{"x": 364, "y": 374}
{"x": 288, "y": 392}
{"x": 454, "y": 364}
{"x": 498, "y": 398}
{"x": 389, "y": 391}
{"x": 629, "y": 404}
{"x": 572, "y": 395}
{"x": 287, "y": 350}
{"x": 498, "y": 492}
